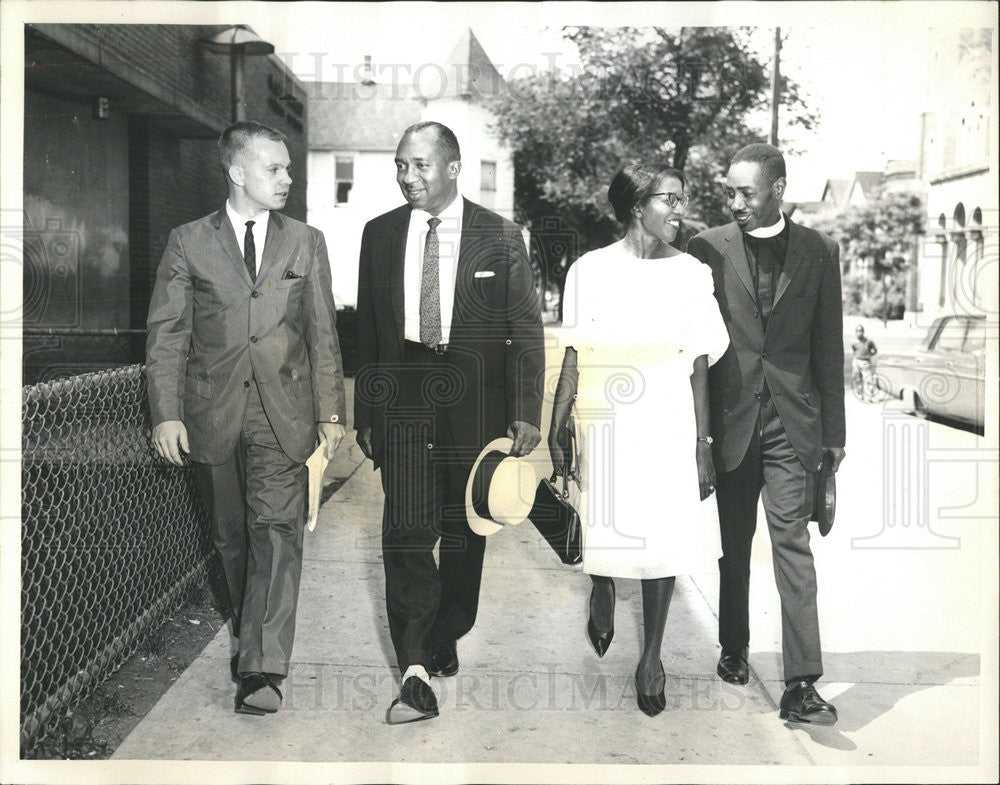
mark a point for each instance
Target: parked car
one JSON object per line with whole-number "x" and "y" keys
{"x": 946, "y": 376}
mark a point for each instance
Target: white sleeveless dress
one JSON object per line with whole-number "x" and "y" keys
{"x": 637, "y": 326}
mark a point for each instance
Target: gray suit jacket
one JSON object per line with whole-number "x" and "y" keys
{"x": 801, "y": 354}
{"x": 211, "y": 329}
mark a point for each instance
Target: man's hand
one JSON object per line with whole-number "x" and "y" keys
{"x": 364, "y": 439}
{"x": 525, "y": 435}
{"x": 330, "y": 434}
{"x": 837, "y": 453}
{"x": 170, "y": 438}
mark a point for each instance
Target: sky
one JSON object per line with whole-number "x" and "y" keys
{"x": 862, "y": 65}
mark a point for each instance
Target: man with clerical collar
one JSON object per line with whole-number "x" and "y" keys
{"x": 777, "y": 407}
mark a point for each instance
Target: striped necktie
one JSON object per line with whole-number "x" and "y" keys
{"x": 430, "y": 289}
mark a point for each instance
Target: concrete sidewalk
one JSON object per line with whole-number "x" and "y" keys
{"x": 903, "y": 659}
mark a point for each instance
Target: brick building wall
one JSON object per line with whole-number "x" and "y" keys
{"x": 167, "y": 99}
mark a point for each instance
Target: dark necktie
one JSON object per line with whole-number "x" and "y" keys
{"x": 250, "y": 252}
{"x": 430, "y": 289}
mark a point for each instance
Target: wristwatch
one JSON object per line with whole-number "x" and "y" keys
{"x": 706, "y": 439}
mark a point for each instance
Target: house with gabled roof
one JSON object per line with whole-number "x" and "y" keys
{"x": 835, "y": 193}
{"x": 354, "y": 128}
{"x": 863, "y": 187}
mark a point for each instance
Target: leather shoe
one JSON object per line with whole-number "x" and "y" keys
{"x": 416, "y": 702}
{"x": 651, "y": 705}
{"x": 444, "y": 660}
{"x": 601, "y": 641}
{"x": 257, "y": 695}
{"x": 733, "y": 667}
{"x": 801, "y": 703}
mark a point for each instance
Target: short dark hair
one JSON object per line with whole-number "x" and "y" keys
{"x": 633, "y": 184}
{"x": 768, "y": 158}
{"x": 237, "y": 138}
{"x": 447, "y": 142}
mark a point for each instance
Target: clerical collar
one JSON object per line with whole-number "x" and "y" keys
{"x": 773, "y": 230}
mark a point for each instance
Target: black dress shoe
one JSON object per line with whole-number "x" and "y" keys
{"x": 733, "y": 667}
{"x": 444, "y": 660}
{"x": 601, "y": 641}
{"x": 416, "y": 701}
{"x": 651, "y": 705}
{"x": 801, "y": 703}
{"x": 257, "y": 695}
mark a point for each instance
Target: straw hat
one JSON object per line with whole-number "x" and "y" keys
{"x": 500, "y": 490}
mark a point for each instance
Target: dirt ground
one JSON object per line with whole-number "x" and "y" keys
{"x": 94, "y": 728}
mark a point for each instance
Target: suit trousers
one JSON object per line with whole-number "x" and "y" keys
{"x": 257, "y": 499}
{"x": 788, "y": 486}
{"x": 424, "y": 477}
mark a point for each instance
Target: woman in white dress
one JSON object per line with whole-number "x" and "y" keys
{"x": 641, "y": 328}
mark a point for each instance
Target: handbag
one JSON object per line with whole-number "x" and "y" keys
{"x": 554, "y": 516}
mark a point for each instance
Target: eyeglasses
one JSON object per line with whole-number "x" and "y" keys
{"x": 672, "y": 199}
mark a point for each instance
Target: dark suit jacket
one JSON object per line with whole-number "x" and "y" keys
{"x": 211, "y": 329}
{"x": 495, "y": 346}
{"x": 801, "y": 354}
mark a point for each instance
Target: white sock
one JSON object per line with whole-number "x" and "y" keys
{"x": 419, "y": 671}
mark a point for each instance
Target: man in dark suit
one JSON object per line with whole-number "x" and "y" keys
{"x": 777, "y": 407}
{"x": 244, "y": 375}
{"x": 450, "y": 358}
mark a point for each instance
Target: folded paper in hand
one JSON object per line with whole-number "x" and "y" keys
{"x": 316, "y": 464}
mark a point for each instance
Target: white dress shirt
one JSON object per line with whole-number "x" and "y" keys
{"x": 239, "y": 223}
{"x": 449, "y": 233}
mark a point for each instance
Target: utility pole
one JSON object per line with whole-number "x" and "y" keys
{"x": 776, "y": 86}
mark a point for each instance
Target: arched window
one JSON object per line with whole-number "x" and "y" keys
{"x": 959, "y": 215}
{"x": 978, "y": 253}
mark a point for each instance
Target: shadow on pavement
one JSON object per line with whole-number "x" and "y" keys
{"x": 880, "y": 680}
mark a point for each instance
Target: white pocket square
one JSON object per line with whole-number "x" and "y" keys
{"x": 483, "y": 274}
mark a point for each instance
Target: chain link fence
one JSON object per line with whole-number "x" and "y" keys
{"x": 111, "y": 537}
{"x": 53, "y": 353}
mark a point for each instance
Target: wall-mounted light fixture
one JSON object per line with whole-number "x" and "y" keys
{"x": 102, "y": 108}
{"x": 238, "y": 41}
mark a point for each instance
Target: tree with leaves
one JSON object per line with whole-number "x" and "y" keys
{"x": 682, "y": 96}
{"x": 877, "y": 250}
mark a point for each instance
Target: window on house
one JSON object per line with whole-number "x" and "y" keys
{"x": 343, "y": 178}
{"x": 488, "y": 175}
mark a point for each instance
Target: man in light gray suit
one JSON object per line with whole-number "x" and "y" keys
{"x": 244, "y": 376}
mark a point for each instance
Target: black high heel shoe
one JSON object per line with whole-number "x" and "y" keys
{"x": 601, "y": 641}
{"x": 650, "y": 705}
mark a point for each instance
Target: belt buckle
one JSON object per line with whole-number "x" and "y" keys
{"x": 440, "y": 348}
